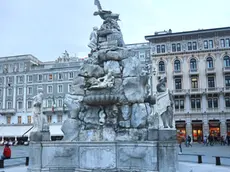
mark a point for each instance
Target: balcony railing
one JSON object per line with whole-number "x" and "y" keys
{"x": 195, "y": 110}
{"x": 196, "y": 91}
{"x": 8, "y": 111}
{"x": 179, "y": 111}
{"x": 193, "y": 71}
{"x": 227, "y": 109}
{"x": 213, "y": 110}
{"x": 213, "y": 90}
{"x": 210, "y": 70}
{"x": 226, "y": 69}
{"x": 179, "y": 91}
{"x": 177, "y": 73}
{"x": 56, "y": 109}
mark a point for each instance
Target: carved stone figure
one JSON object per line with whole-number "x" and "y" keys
{"x": 102, "y": 116}
{"x": 5, "y": 70}
{"x": 93, "y": 39}
{"x": 164, "y": 104}
{"x": 40, "y": 120}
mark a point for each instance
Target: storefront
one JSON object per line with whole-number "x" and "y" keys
{"x": 181, "y": 129}
{"x": 228, "y": 127}
{"x": 197, "y": 130}
{"x": 214, "y": 128}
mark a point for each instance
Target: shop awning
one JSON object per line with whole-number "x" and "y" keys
{"x": 55, "y": 130}
{"x": 14, "y": 131}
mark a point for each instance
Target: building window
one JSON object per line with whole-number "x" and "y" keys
{"x": 227, "y": 42}
{"x": 0, "y": 105}
{"x": 60, "y": 88}
{"x": 210, "y": 43}
{"x": 49, "y": 103}
{"x": 40, "y": 77}
{"x": 60, "y": 76}
{"x": 212, "y": 102}
{"x": 226, "y": 61}
{"x": 49, "y": 118}
{"x": 20, "y": 79}
{"x": 194, "y": 46}
{"x": 211, "y": 82}
{"x": 189, "y": 46}
{"x": 50, "y": 77}
{"x": 161, "y": 66}
{"x": 163, "y": 48}
{"x": 20, "y": 91}
{"x": 9, "y": 92}
{"x": 10, "y": 79}
{"x": 29, "y": 104}
{"x": 173, "y": 47}
{"x": 9, "y": 105}
{"x": 178, "y": 84}
{"x": 60, "y": 102}
{"x": 19, "y": 119}
{"x": 20, "y": 106}
{"x": 177, "y": 65}
{"x": 50, "y": 89}
{"x": 69, "y": 88}
{"x": 141, "y": 57}
{"x": 30, "y": 78}
{"x": 178, "y": 47}
{"x": 0, "y": 92}
{"x": 194, "y": 82}
{"x": 8, "y": 119}
{"x": 227, "y": 102}
{"x": 179, "y": 104}
{"x": 29, "y": 90}
{"x": 227, "y": 81}
{"x": 29, "y": 119}
{"x": 59, "y": 118}
{"x": 158, "y": 48}
{"x": 195, "y": 103}
{"x": 193, "y": 65}
{"x": 222, "y": 43}
{"x": 205, "y": 44}
{"x": 209, "y": 63}
{"x": 71, "y": 75}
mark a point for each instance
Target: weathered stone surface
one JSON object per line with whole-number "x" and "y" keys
{"x": 126, "y": 112}
{"x": 167, "y": 135}
{"x": 90, "y": 135}
{"x": 134, "y": 91}
{"x": 152, "y": 134}
{"x": 112, "y": 66}
{"x": 92, "y": 70}
{"x": 138, "y": 134}
{"x": 139, "y": 115}
{"x": 78, "y": 86}
{"x": 71, "y": 128}
{"x": 132, "y": 67}
{"x": 36, "y": 136}
{"x": 125, "y": 124}
{"x": 91, "y": 116}
{"x": 108, "y": 134}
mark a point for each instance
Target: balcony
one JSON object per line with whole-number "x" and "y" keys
{"x": 226, "y": 69}
{"x": 179, "y": 92}
{"x": 198, "y": 110}
{"x": 7, "y": 111}
{"x": 227, "y": 109}
{"x": 179, "y": 111}
{"x": 226, "y": 89}
{"x": 193, "y": 72}
{"x": 177, "y": 73}
{"x": 212, "y": 110}
{"x": 213, "y": 90}
{"x": 196, "y": 91}
{"x": 56, "y": 109}
{"x": 210, "y": 71}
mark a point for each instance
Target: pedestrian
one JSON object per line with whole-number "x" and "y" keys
{"x": 205, "y": 140}
{"x": 6, "y": 152}
{"x": 189, "y": 141}
{"x": 222, "y": 141}
{"x": 179, "y": 142}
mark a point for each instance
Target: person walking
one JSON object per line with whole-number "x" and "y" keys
{"x": 6, "y": 152}
{"x": 189, "y": 141}
{"x": 179, "y": 142}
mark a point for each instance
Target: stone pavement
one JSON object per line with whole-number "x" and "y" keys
{"x": 184, "y": 167}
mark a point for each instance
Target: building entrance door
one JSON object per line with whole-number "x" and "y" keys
{"x": 197, "y": 130}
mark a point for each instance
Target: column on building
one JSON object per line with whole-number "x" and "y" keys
{"x": 223, "y": 124}
{"x": 24, "y": 94}
{"x": 205, "y": 125}
{"x": 14, "y": 90}
{"x": 4, "y": 93}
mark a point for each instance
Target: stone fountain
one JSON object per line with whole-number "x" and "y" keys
{"x": 112, "y": 124}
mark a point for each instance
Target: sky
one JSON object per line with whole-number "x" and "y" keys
{"x": 46, "y": 28}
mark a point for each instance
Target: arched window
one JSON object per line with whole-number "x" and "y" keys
{"x": 209, "y": 62}
{"x": 161, "y": 66}
{"x": 193, "y": 65}
{"x": 177, "y": 65}
{"x": 226, "y": 61}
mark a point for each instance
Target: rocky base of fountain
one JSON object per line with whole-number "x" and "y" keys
{"x": 156, "y": 155}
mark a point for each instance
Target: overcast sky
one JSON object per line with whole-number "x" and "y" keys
{"x": 45, "y": 28}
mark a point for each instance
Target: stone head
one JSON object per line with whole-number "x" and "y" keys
{"x": 95, "y": 28}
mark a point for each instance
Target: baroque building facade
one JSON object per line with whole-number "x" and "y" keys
{"x": 197, "y": 66}
{"x": 22, "y": 75}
